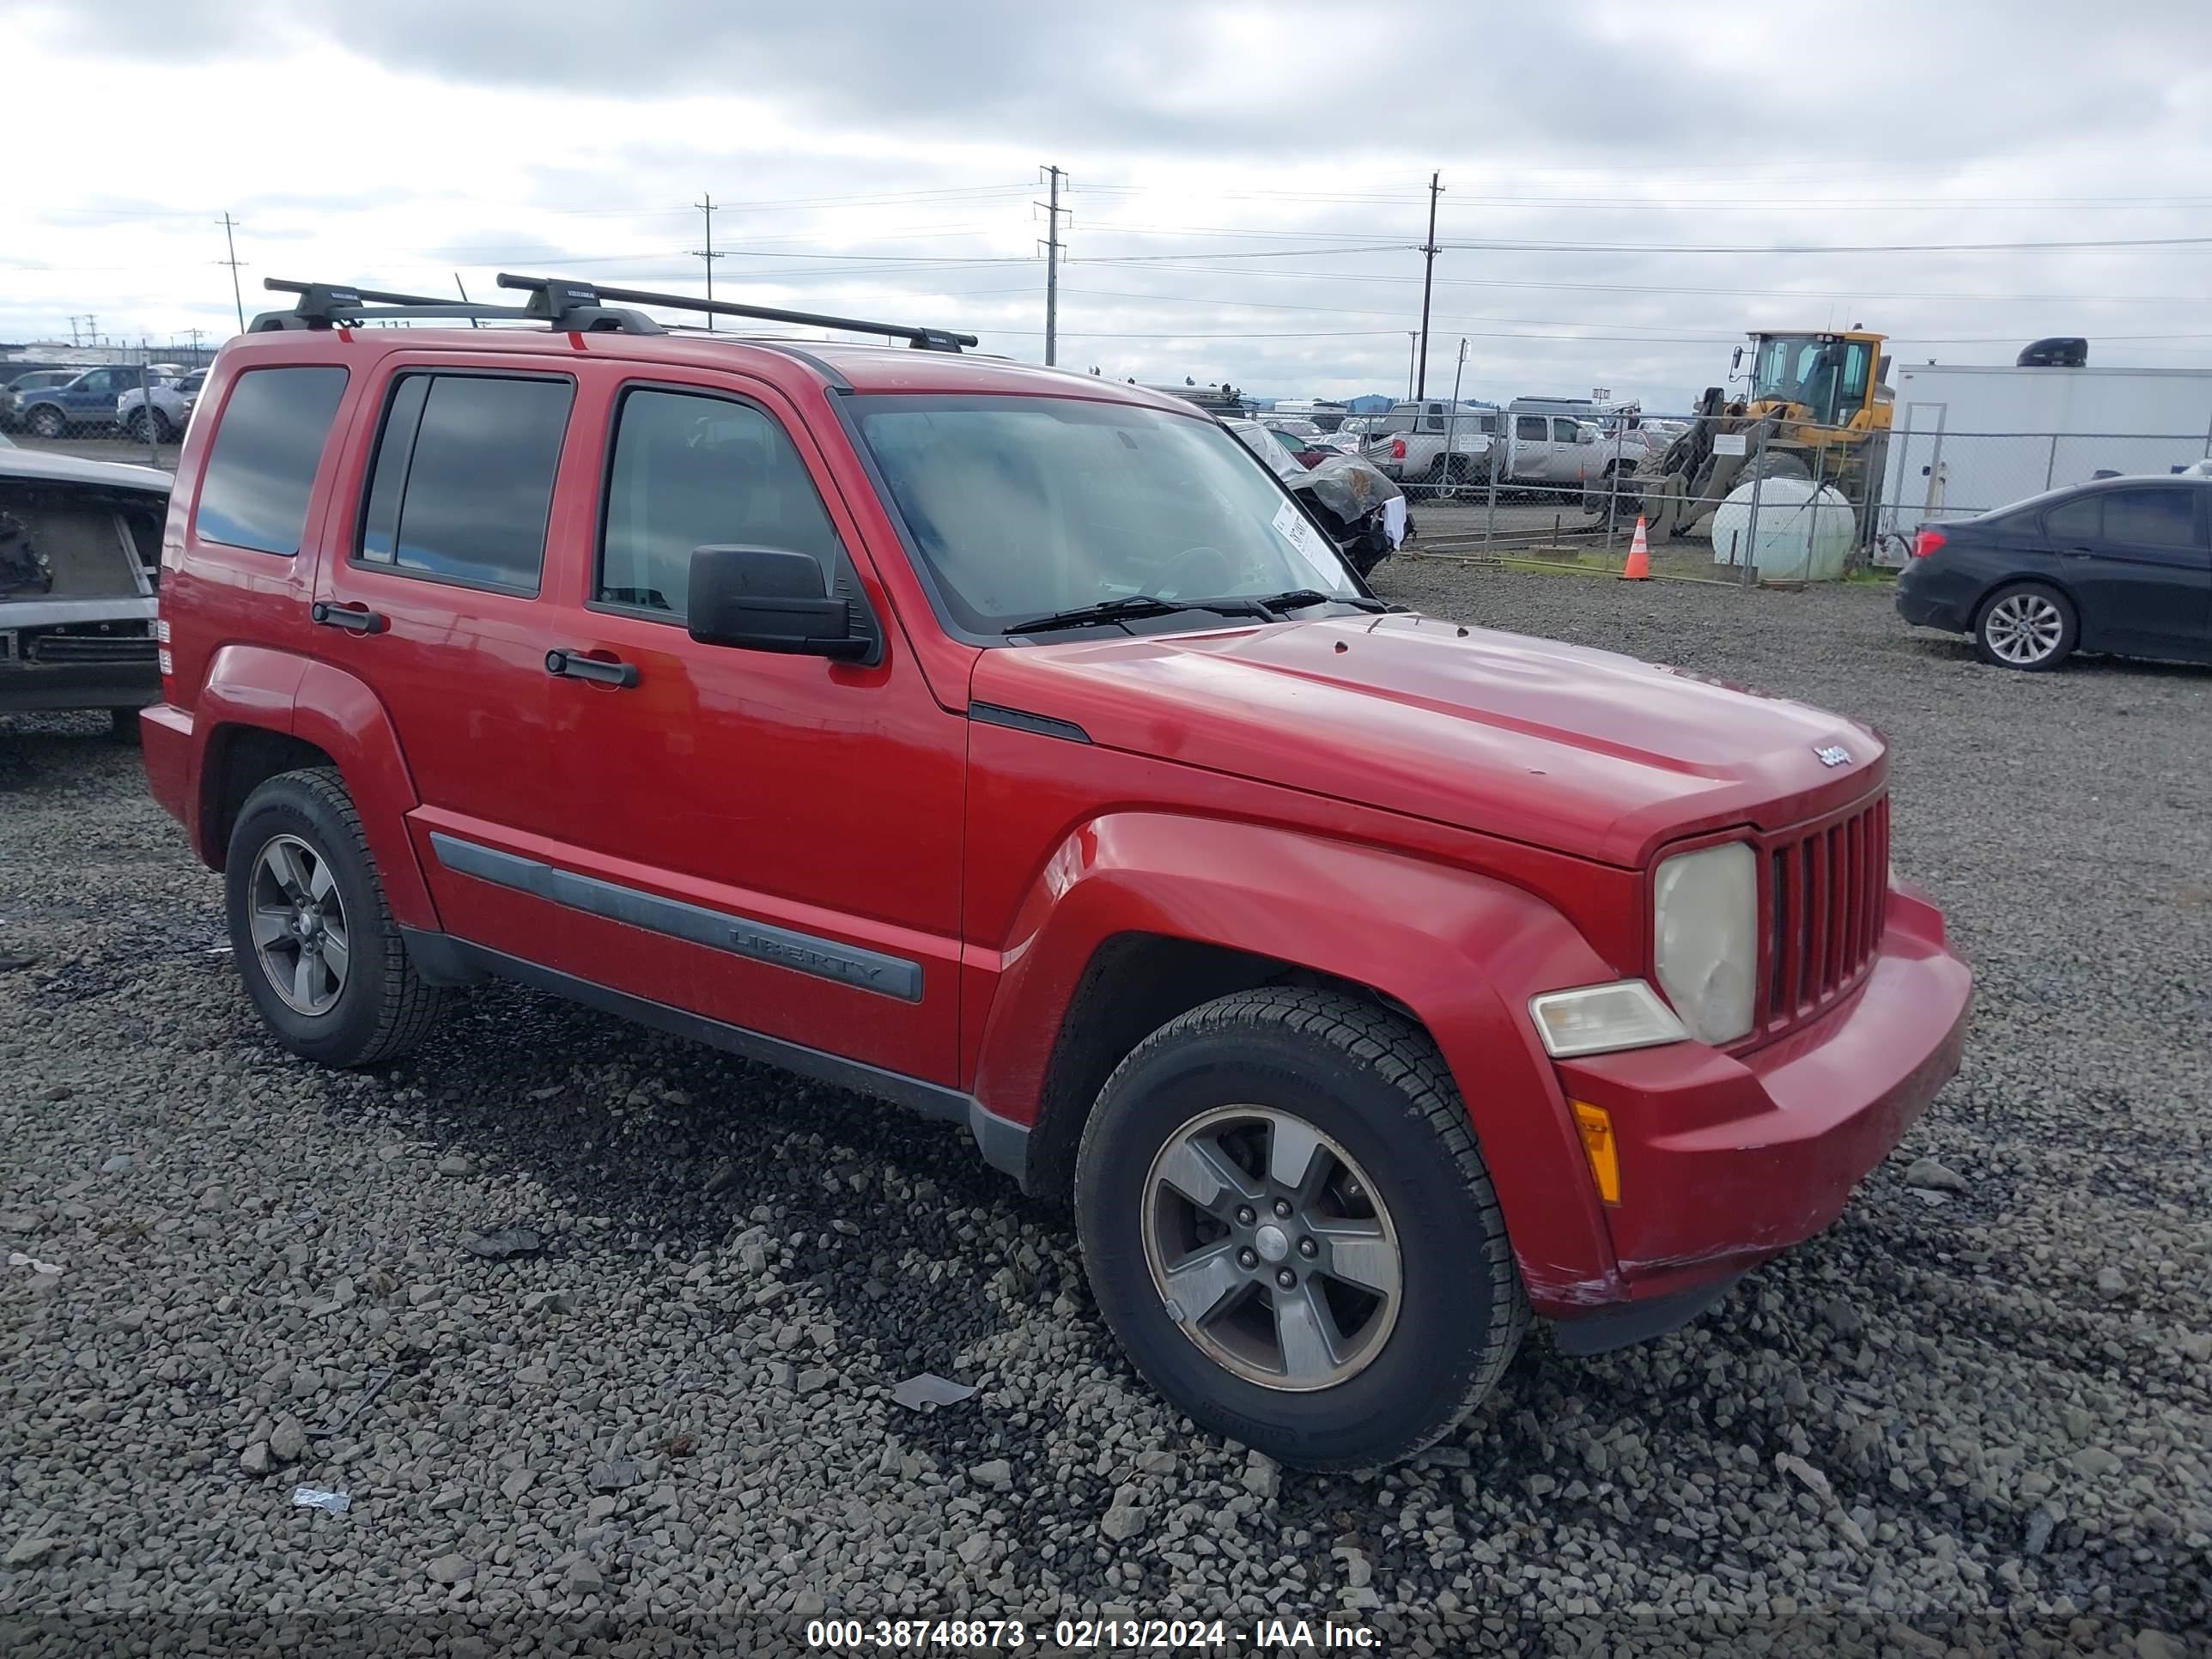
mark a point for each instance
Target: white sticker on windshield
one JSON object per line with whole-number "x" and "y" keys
{"x": 1294, "y": 527}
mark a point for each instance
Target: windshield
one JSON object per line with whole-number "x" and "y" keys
{"x": 1826, "y": 375}
{"x": 1025, "y": 506}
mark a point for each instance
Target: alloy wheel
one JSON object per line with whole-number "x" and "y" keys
{"x": 1271, "y": 1248}
{"x": 2023, "y": 629}
{"x": 298, "y": 923}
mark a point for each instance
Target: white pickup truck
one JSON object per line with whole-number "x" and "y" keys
{"x": 1431, "y": 445}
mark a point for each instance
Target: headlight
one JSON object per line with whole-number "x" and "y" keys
{"x": 1602, "y": 1019}
{"x": 1706, "y": 939}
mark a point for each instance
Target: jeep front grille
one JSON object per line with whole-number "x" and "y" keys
{"x": 1824, "y": 900}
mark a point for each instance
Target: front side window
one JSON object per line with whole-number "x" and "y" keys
{"x": 261, "y": 466}
{"x": 690, "y": 471}
{"x": 462, "y": 483}
{"x": 1565, "y": 432}
{"x": 2151, "y": 517}
{"x": 1021, "y": 507}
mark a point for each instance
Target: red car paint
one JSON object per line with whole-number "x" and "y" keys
{"x": 1457, "y": 819}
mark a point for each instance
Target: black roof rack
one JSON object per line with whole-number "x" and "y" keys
{"x": 568, "y": 306}
{"x": 929, "y": 339}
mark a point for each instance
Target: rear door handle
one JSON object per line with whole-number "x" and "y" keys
{"x": 348, "y": 618}
{"x": 575, "y": 666}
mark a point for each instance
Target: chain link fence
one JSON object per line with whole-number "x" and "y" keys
{"x": 1725, "y": 497}
{"x": 111, "y": 403}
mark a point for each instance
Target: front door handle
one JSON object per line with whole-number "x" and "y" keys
{"x": 575, "y": 666}
{"x": 353, "y": 619}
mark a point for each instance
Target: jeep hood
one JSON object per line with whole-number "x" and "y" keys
{"x": 1585, "y": 751}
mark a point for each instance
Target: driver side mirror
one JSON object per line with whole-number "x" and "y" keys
{"x": 764, "y": 599}
{"x": 1736, "y": 362}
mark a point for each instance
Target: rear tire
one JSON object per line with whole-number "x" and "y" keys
{"x": 301, "y": 884}
{"x": 2030, "y": 626}
{"x": 1362, "y": 1103}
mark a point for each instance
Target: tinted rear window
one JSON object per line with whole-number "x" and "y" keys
{"x": 261, "y": 466}
{"x": 463, "y": 481}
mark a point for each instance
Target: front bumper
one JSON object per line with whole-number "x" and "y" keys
{"x": 1727, "y": 1159}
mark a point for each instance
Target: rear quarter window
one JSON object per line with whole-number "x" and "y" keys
{"x": 261, "y": 467}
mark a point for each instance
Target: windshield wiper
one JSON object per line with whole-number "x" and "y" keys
{"x": 1298, "y": 598}
{"x": 1135, "y": 606}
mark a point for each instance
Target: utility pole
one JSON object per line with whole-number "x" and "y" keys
{"x": 198, "y": 362}
{"x": 706, "y": 205}
{"x": 1428, "y": 280}
{"x": 230, "y": 247}
{"x": 1053, "y": 211}
{"x": 1413, "y": 344}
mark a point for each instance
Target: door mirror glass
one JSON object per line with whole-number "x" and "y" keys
{"x": 766, "y": 599}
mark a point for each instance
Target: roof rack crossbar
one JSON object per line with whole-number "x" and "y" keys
{"x": 326, "y": 305}
{"x": 930, "y": 339}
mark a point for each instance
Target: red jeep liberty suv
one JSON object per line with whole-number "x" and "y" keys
{"x": 1008, "y": 742}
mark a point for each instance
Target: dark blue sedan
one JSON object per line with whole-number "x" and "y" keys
{"x": 2121, "y": 565}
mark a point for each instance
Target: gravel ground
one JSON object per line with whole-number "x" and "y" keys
{"x": 1974, "y": 1414}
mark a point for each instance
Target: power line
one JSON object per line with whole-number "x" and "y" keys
{"x": 1833, "y": 247}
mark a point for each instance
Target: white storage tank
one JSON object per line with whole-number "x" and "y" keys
{"x": 1804, "y": 534}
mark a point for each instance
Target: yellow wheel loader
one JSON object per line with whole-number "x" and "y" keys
{"x": 1817, "y": 408}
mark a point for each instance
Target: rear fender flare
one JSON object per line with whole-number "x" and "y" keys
{"x": 336, "y": 712}
{"x": 1461, "y": 951}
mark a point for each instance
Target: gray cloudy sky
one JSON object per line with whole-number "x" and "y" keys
{"x": 1248, "y": 180}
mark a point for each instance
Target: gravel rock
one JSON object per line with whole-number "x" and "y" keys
{"x": 1124, "y": 1518}
{"x": 1927, "y": 1173}
{"x": 27, "y": 1551}
{"x": 2017, "y": 1459}
{"x": 288, "y": 1440}
{"x": 998, "y": 1474}
{"x": 2112, "y": 1282}
{"x": 449, "y": 1570}
{"x": 1263, "y": 1476}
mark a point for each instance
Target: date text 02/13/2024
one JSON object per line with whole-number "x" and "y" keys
{"x": 1082, "y": 1635}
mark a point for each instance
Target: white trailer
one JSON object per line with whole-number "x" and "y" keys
{"x": 1964, "y": 439}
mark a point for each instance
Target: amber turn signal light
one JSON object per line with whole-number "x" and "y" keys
{"x": 1599, "y": 1148}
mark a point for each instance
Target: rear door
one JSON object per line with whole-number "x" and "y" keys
{"x": 1570, "y": 455}
{"x": 1532, "y": 448}
{"x": 432, "y": 592}
{"x": 2135, "y": 560}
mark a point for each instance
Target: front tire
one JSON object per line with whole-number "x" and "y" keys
{"x": 1287, "y": 1222}
{"x": 314, "y": 942}
{"x": 47, "y": 422}
{"x": 2029, "y": 626}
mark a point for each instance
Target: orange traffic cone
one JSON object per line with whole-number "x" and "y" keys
{"x": 1638, "y": 568}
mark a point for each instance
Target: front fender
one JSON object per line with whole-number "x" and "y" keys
{"x": 1462, "y": 951}
{"x": 252, "y": 686}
